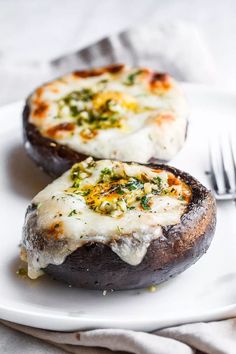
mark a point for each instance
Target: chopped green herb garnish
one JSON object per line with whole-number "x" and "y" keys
{"x": 104, "y": 81}
{"x": 85, "y": 193}
{"x": 134, "y": 184}
{"x": 84, "y": 95}
{"x": 74, "y": 111}
{"x": 145, "y": 203}
{"x": 76, "y": 184}
{"x": 119, "y": 190}
{"x": 75, "y": 171}
{"x": 130, "y": 80}
{"x": 158, "y": 181}
{"x": 106, "y": 171}
{"x": 73, "y": 212}
{"x": 105, "y": 174}
{"x": 79, "y": 105}
{"x": 82, "y": 193}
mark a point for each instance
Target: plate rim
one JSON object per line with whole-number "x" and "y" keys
{"x": 9, "y": 309}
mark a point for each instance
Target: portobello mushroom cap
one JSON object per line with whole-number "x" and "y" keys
{"x": 96, "y": 266}
{"x": 56, "y": 157}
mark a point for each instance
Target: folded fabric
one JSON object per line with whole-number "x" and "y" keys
{"x": 173, "y": 47}
{"x": 176, "y": 48}
{"x": 211, "y": 338}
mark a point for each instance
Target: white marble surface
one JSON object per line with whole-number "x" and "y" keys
{"x": 33, "y": 31}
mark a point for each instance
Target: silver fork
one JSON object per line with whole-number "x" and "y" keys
{"x": 223, "y": 167}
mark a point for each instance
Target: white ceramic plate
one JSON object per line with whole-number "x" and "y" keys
{"x": 206, "y": 291}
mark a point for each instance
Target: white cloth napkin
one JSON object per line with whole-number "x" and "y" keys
{"x": 211, "y": 338}
{"x": 178, "y": 49}
{"x": 173, "y": 47}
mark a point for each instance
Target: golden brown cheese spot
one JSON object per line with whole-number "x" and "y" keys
{"x": 160, "y": 82}
{"x": 164, "y": 118}
{"x": 52, "y": 87}
{"x": 39, "y": 93}
{"x": 56, "y": 230}
{"x": 173, "y": 180}
{"x": 157, "y": 170}
{"x": 113, "y": 69}
{"x": 55, "y": 90}
{"x": 59, "y": 130}
{"x": 40, "y": 112}
{"x": 88, "y": 134}
{"x": 85, "y": 74}
{"x": 184, "y": 190}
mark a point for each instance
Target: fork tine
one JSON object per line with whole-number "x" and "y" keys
{"x": 228, "y": 165}
{"x": 232, "y": 152}
{"x": 213, "y": 169}
{"x": 217, "y": 177}
{"x": 233, "y": 160}
{"x": 223, "y": 158}
{"x": 222, "y": 166}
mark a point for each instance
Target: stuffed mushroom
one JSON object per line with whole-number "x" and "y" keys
{"x": 115, "y": 112}
{"x": 113, "y": 225}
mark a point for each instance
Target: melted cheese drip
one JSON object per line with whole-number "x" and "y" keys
{"x": 128, "y": 235}
{"x": 152, "y": 125}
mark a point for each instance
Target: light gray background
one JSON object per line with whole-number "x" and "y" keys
{"x": 33, "y": 31}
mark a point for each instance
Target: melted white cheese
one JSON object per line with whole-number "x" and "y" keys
{"x": 128, "y": 236}
{"x": 141, "y": 139}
